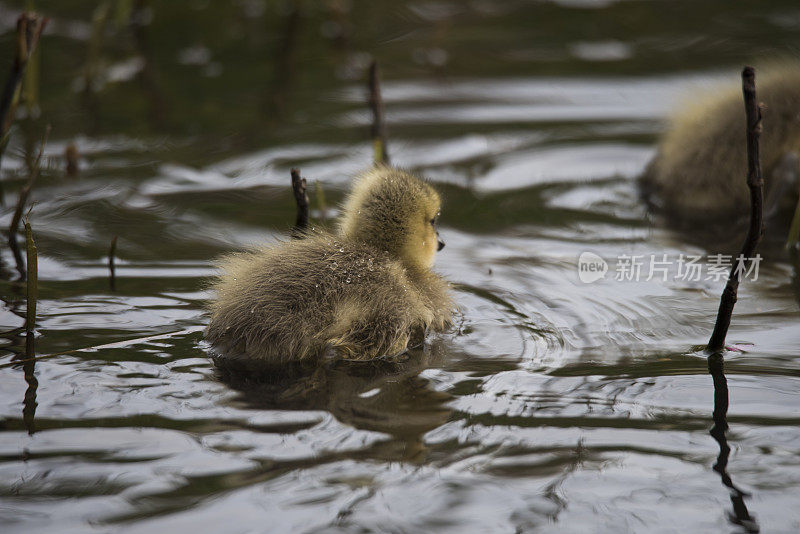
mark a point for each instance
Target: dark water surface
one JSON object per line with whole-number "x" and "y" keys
{"x": 551, "y": 406}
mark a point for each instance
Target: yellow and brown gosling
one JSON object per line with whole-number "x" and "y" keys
{"x": 365, "y": 292}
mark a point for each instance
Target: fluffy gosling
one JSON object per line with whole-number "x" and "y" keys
{"x": 698, "y": 173}
{"x": 362, "y": 293}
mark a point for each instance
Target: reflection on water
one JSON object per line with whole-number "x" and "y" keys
{"x": 29, "y": 402}
{"x": 551, "y": 406}
{"x": 740, "y": 516}
{"x": 385, "y": 397}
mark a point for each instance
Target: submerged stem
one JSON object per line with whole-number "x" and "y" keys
{"x": 32, "y": 288}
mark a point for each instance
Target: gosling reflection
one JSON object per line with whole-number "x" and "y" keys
{"x": 740, "y": 515}
{"x": 378, "y": 395}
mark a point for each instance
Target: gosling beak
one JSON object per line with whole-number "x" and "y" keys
{"x": 441, "y": 244}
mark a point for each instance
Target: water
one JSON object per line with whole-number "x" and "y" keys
{"x": 551, "y": 406}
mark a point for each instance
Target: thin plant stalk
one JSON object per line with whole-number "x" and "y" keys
{"x": 32, "y": 295}
{"x": 21, "y": 200}
{"x": 301, "y": 199}
{"x": 378, "y": 130}
{"x": 29, "y": 29}
{"x": 756, "y": 229}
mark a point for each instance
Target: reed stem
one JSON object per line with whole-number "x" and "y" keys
{"x": 21, "y": 200}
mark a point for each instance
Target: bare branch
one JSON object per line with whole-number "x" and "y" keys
{"x": 756, "y": 185}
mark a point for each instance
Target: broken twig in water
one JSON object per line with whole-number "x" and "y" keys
{"x": 378, "y": 130}
{"x": 21, "y": 200}
{"x": 32, "y": 288}
{"x": 301, "y": 198}
{"x": 756, "y": 229}
{"x": 112, "y": 268}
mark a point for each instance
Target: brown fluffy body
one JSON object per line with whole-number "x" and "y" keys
{"x": 699, "y": 170}
{"x": 362, "y": 293}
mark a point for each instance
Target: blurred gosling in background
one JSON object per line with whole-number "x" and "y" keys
{"x": 698, "y": 174}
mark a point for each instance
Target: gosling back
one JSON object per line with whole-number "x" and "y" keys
{"x": 698, "y": 172}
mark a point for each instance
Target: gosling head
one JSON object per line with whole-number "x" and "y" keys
{"x": 396, "y": 212}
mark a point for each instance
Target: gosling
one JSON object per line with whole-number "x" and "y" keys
{"x": 698, "y": 173}
{"x": 365, "y": 292}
